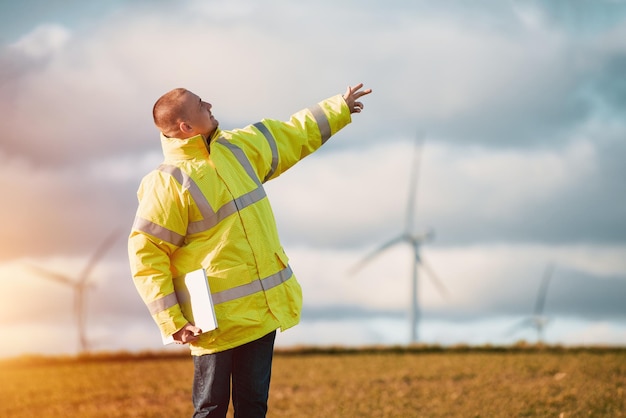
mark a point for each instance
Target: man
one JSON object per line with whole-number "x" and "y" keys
{"x": 205, "y": 207}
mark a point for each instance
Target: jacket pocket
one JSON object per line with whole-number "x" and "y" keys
{"x": 282, "y": 258}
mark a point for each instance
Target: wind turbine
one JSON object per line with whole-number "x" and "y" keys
{"x": 80, "y": 285}
{"x": 415, "y": 241}
{"x": 538, "y": 320}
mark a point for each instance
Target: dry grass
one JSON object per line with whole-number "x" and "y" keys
{"x": 418, "y": 382}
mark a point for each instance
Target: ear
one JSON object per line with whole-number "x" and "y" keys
{"x": 185, "y": 128}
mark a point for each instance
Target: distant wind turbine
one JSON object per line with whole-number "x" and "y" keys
{"x": 415, "y": 240}
{"x": 538, "y": 320}
{"x": 80, "y": 285}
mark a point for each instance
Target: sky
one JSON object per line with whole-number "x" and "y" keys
{"x": 520, "y": 105}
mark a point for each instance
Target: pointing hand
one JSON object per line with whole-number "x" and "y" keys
{"x": 351, "y": 96}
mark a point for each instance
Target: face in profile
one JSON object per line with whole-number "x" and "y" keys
{"x": 199, "y": 118}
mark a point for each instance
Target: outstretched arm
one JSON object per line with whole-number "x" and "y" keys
{"x": 290, "y": 141}
{"x": 352, "y": 95}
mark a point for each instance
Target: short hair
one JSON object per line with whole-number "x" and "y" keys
{"x": 168, "y": 111}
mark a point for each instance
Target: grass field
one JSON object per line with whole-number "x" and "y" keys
{"x": 385, "y": 382}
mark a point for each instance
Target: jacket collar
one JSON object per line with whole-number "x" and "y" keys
{"x": 186, "y": 149}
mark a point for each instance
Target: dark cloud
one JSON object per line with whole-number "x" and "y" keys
{"x": 581, "y": 17}
{"x": 608, "y": 87}
{"x": 571, "y": 294}
{"x": 546, "y": 109}
{"x": 575, "y": 294}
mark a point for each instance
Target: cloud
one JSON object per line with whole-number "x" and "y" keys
{"x": 457, "y": 80}
{"x": 44, "y": 41}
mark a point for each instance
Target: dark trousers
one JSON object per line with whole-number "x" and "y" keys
{"x": 250, "y": 367}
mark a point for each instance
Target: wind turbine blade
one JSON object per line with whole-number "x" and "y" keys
{"x": 413, "y": 183}
{"x": 369, "y": 257}
{"x": 57, "y": 277}
{"x": 97, "y": 255}
{"x": 434, "y": 278}
{"x": 543, "y": 289}
{"x": 524, "y": 323}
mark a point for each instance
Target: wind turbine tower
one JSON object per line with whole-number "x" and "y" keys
{"x": 80, "y": 284}
{"x": 538, "y": 320}
{"x": 415, "y": 240}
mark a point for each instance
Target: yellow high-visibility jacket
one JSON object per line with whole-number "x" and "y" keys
{"x": 205, "y": 206}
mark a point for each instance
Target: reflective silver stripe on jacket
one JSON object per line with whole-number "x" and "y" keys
{"x": 322, "y": 122}
{"x": 163, "y": 303}
{"x": 272, "y": 143}
{"x": 162, "y": 233}
{"x": 241, "y": 157}
{"x": 253, "y": 287}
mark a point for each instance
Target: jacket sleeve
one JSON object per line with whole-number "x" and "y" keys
{"x": 158, "y": 230}
{"x": 274, "y": 146}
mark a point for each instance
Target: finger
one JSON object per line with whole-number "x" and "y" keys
{"x": 352, "y": 90}
{"x": 362, "y": 93}
{"x": 357, "y": 87}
